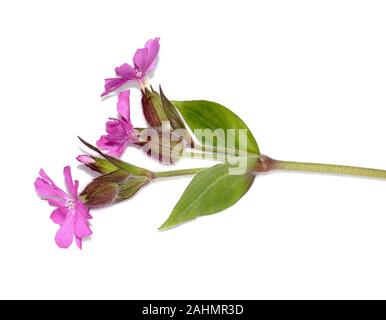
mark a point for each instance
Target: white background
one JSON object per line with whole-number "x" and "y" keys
{"x": 309, "y": 79}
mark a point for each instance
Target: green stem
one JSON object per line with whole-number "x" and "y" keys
{"x": 205, "y": 155}
{"x": 327, "y": 168}
{"x": 174, "y": 173}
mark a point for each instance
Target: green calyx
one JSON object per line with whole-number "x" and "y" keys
{"x": 119, "y": 164}
{"x": 157, "y": 108}
{"x": 112, "y": 187}
{"x": 101, "y": 165}
{"x": 153, "y": 109}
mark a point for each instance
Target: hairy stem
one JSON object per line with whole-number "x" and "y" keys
{"x": 174, "y": 173}
{"x": 326, "y": 168}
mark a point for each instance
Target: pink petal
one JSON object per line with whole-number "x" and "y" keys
{"x": 65, "y": 234}
{"x": 120, "y": 134}
{"x": 126, "y": 71}
{"x": 59, "y": 215}
{"x": 123, "y": 105}
{"x": 82, "y": 210}
{"x": 85, "y": 159}
{"x": 45, "y": 177}
{"x": 119, "y": 130}
{"x": 56, "y": 202}
{"x": 45, "y": 187}
{"x": 78, "y": 242}
{"x": 145, "y": 58}
{"x": 141, "y": 61}
{"x": 115, "y": 149}
{"x": 47, "y": 191}
{"x": 71, "y": 186}
{"x": 118, "y": 150}
{"x": 153, "y": 47}
{"x": 113, "y": 84}
{"x": 102, "y": 143}
{"x": 81, "y": 227}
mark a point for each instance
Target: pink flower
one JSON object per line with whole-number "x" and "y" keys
{"x": 70, "y": 213}
{"x": 85, "y": 159}
{"x": 120, "y": 132}
{"x": 144, "y": 62}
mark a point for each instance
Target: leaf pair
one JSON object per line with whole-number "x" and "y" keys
{"x": 216, "y": 188}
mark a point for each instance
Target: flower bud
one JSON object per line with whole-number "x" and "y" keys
{"x": 153, "y": 109}
{"x": 172, "y": 113}
{"x": 131, "y": 187}
{"x": 104, "y": 189}
{"x": 100, "y": 165}
{"x": 113, "y": 162}
{"x": 112, "y": 187}
{"x": 161, "y": 143}
{"x": 100, "y": 193}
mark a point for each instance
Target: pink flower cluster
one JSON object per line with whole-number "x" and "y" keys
{"x": 71, "y": 213}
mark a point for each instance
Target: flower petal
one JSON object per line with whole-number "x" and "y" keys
{"x": 118, "y": 130}
{"x": 81, "y": 227}
{"x": 56, "y": 191}
{"x": 78, "y": 242}
{"x": 45, "y": 187}
{"x": 45, "y": 177}
{"x": 82, "y": 210}
{"x": 56, "y": 202}
{"x": 113, "y": 84}
{"x": 72, "y": 186}
{"x": 126, "y": 71}
{"x": 114, "y": 149}
{"x": 46, "y": 191}
{"x": 141, "y": 61}
{"x": 145, "y": 58}
{"x": 153, "y": 47}
{"x": 123, "y": 105}
{"x": 85, "y": 159}
{"x": 59, "y": 215}
{"x": 119, "y": 135}
{"x": 65, "y": 234}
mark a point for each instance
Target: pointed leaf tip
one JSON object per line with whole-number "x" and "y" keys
{"x": 211, "y": 191}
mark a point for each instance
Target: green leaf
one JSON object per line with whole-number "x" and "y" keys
{"x": 201, "y": 114}
{"x": 212, "y": 190}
